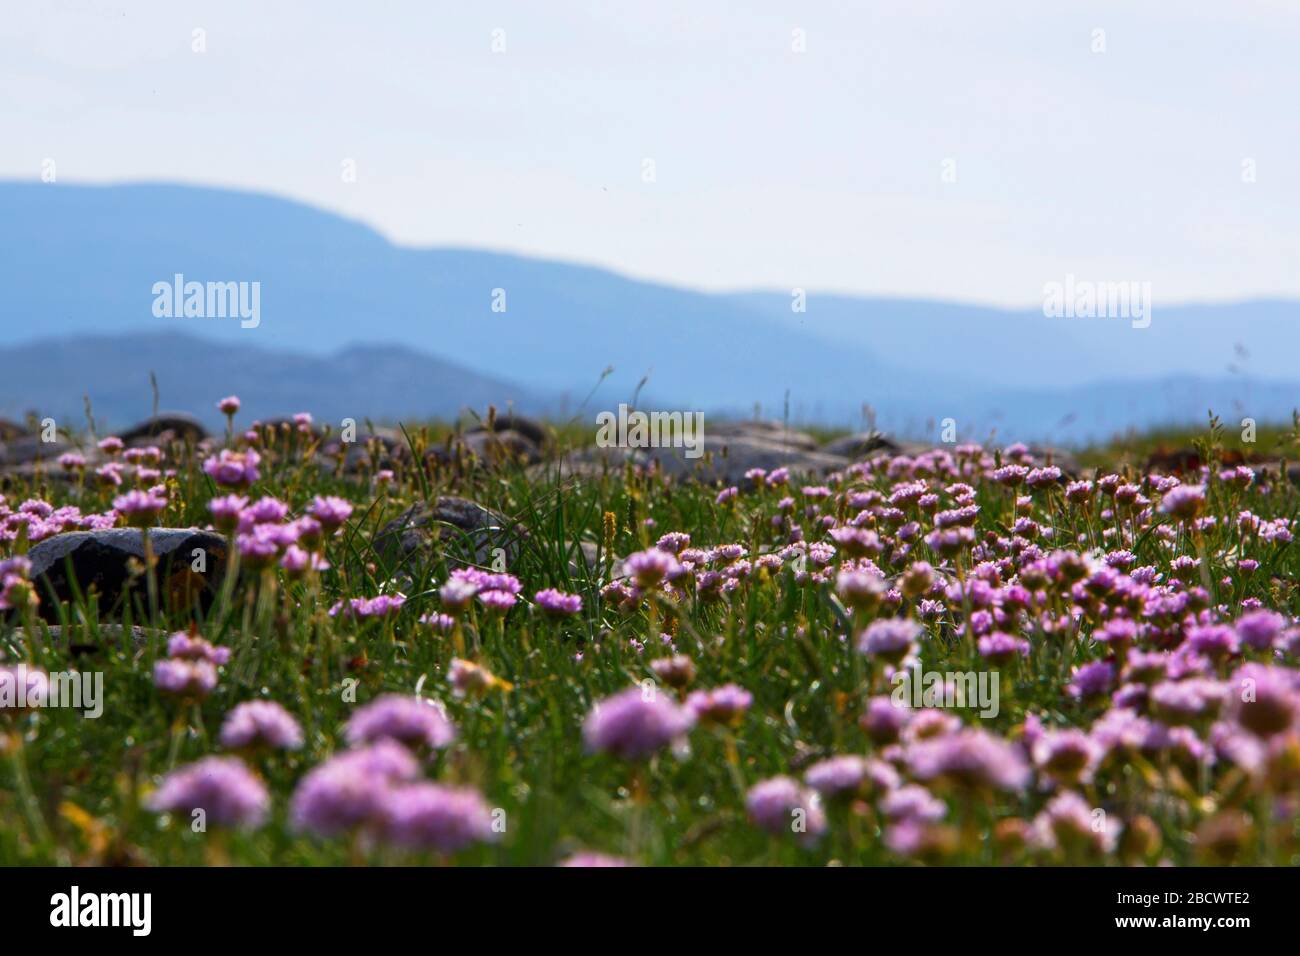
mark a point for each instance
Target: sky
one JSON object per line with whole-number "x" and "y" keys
{"x": 948, "y": 149}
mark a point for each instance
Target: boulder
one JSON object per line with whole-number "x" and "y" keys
{"x": 457, "y": 527}
{"x": 862, "y": 445}
{"x": 164, "y": 429}
{"x": 763, "y": 431}
{"x": 511, "y": 421}
{"x": 501, "y": 447}
{"x": 725, "y": 459}
{"x": 101, "y": 562}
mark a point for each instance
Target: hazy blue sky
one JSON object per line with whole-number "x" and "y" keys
{"x": 822, "y": 169}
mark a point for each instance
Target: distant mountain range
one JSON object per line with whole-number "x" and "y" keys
{"x": 353, "y": 325}
{"x": 385, "y": 383}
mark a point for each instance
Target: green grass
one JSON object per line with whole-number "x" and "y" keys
{"x": 522, "y": 747}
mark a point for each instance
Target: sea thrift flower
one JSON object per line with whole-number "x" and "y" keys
{"x": 296, "y": 562}
{"x": 1067, "y": 824}
{"x": 1001, "y": 648}
{"x": 139, "y": 508}
{"x": 1183, "y": 502}
{"x": 890, "y": 640}
{"x": 722, "y": 705}
{"x": 111, "y": 446}
{"x": 189, "y": 646}
{"x": 1260, "y": 629}
{"x": 649, "y": 568}
{"x": 558, "y": 604}
{"x": 495, "y": 600}
{"x": 430, "y": 816}
{"x": 226, "y": 511}
{"x": 850, "y": 774}
{"x": 466, "y": 677}
{"x": 413, "y": 721}
{"x": 1093, "y": 679}
{"x": 781, "y": 805}
{"x": 227, "y": 792}
{"x": 258, "y": 724}
{"x": 229, "y": 406}
{"x": 677, "y": 671}
{"x": 634, "y": 723}
{"x": 860, "y": 590}
{"x": 969, "y": 758}
{"x": 232, "y": 469}
{"x": 183, "y": 678}
{"x": 347, "y": 791}
{"x": 1263, "y": 700}
{"x": 442, "y": 623}
{"x": 331, "y": 512}
{"x": 883, "y": 720}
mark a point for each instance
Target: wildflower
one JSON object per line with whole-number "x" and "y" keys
{"x": 1264, "y": 700}
{"x": 860, "y": 590}
{"x": 140, "y": 508}
{"x": 466, "y": 677}
{"x": 890, "y": 640}
{"x": 650, "y": 568}
{"x": 232, "y": 469}
{"x": 431, "y": 816}
{"x": 1067, "y": 823}
{"x": 883, "y": 720}
{"x": 677, "y": 671}
{"x": 558, "y": 604}
{"x": 1067, "y": 756}
{"x": 189, "y": 646}
{"x": 226, "y": 511}
{"x": 229, "y": 406}
{"x": 347, "y": 791}
{"x": 331, "y": 512}
{"x": 722, "y": 705}
{"x": 442, "y": 623}
{"x": 969, "y": 758}
{"x": 1183, "y": 502}
{"x": 111, "y": 446}
{"x": 496, "y": 600}
{"x": 260, "y": 723}
{"x": 634, "y": 723}
{"x": 226, "y": 791}
{"x": 850, "y": 774}
{"x": 413, "y": 721}
{"x": 297, "y": 562}
{"x": 191, "y": 679}
{"x": 912, "y": 802}
{"x": 1092, "y": 679}
{"x": 1000, "y": 648}
{"x": 1260, "y": 629}
{"x": 781, "y": 805}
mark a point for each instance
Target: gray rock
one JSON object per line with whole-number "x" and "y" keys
{"x": 529, "y": 428}
{"x": 164, "y": 429}
{"x": 9, "y": 430}
{"x": 101, "y": 563}
{"x": 763, "y": 431}
{"x": 725, "y": 459}
{"x": 457, "y": 527}
{"x": 501, "y": 447}
{"x": 862, "y": 445}
{"x": 28, "y": 449}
